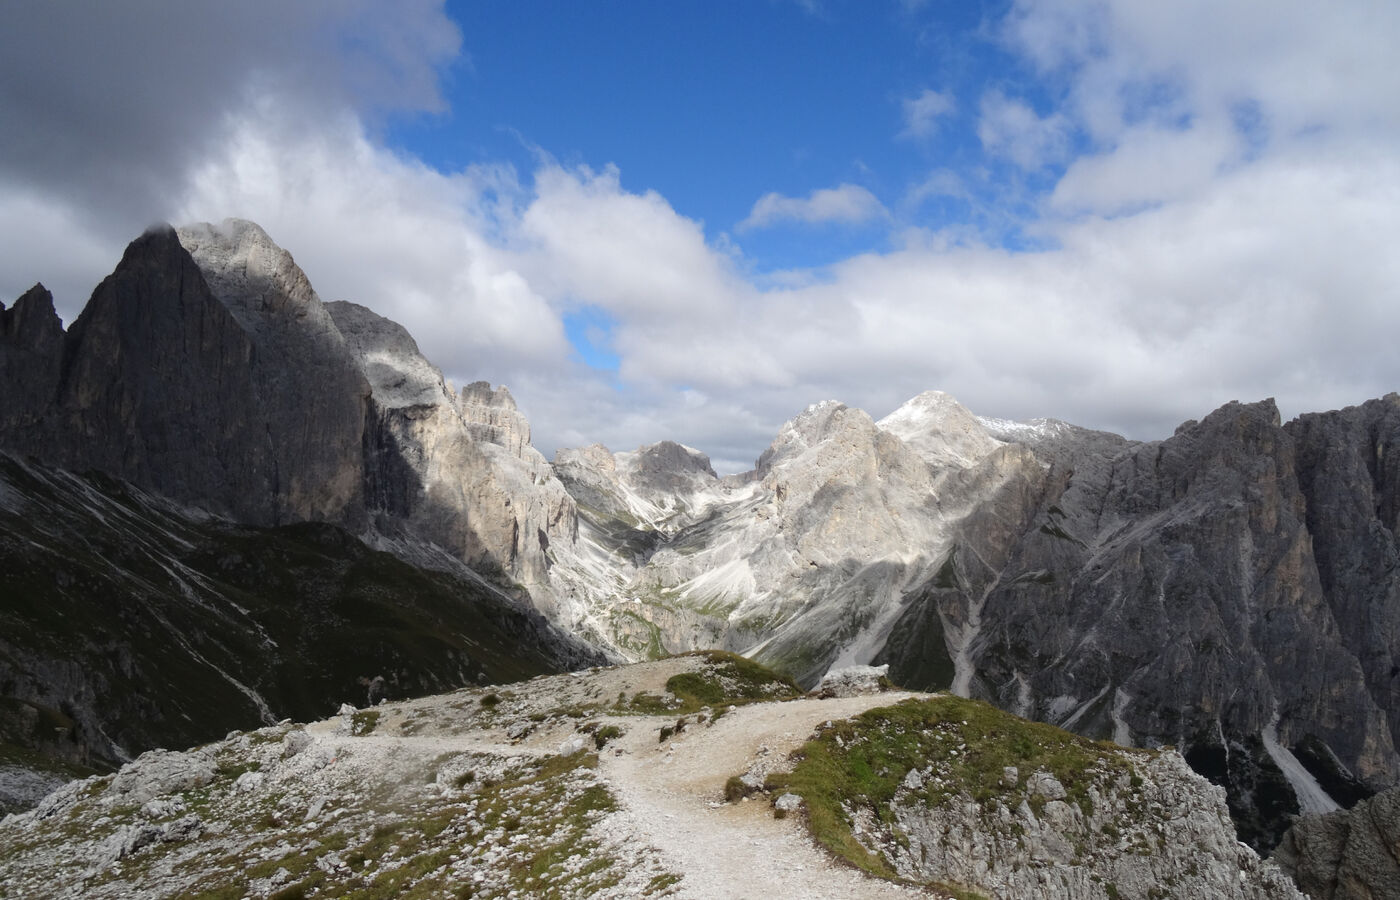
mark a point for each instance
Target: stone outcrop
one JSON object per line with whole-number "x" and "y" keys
{"x": 1349, "y": 854}
{"x": 853, "y": 681}
{"x": 490, "y": 416}
{"x": 1156, "y": 830}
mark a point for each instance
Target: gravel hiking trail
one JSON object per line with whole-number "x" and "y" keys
{"x": 672, "y": 793}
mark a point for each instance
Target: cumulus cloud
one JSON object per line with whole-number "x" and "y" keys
{"x": 1009, "y": 127}
{"x": 1149, "y": 165}
{"x": 630, "y": 254}
{"x": 922, "y": 112}
{"x": 1193, "y": 255}
{"x": 117, "y": 96}
{"x": 847, "y": 203}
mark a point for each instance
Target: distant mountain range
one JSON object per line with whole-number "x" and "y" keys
{"x": 1232, "y": 590}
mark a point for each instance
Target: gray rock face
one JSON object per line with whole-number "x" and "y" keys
{"x": 1231, "y": 590}
{"x": 243, "y": 402}
{"x": 491, "y": 416}
{"x": 1346, "y": 855}
{"x": 31, "y": 359}
{"x": 1170, "y": 594}
{"x": 156, "y": 386}
{"x": 313, "y": 395}
{"x": 1169, "y": 833}
{"x": 941, "y": 430}
{"x": 1348, "y": 470}
{"x": 456, "y": 470}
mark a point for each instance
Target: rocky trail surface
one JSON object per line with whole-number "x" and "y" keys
{"x": 660, "y": 779}
{"x": 673, "y": 793}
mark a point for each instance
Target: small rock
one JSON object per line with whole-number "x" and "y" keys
{"x": 788, "y": 803}
{"x": 185, "y": 829}
{"x": 1045, "y": 785}
{"x": 295, "y": 742}
{"x": 249, "y": 782}
{"x": 853, "y": 681}
{"x": 162, "y": 807}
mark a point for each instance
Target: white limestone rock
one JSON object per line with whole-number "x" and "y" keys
{"x": 853, "y": 681}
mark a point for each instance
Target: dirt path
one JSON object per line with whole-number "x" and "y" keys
{"x": 673, "y": 793}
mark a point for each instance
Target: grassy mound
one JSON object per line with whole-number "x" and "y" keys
{"x": 855, "y": 766}
{"x": 727, "y": 679}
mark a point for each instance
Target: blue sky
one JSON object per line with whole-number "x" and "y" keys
{"x": 689, "y": 220}
{"x": 715, "y": 105}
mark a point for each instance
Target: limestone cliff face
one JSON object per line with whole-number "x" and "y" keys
{"x": 206, "y": 369}
{"x": 31, "y": 360}
{"x": 455, "y": 470}
{"x": 490, "y": 416}
{"x": 1170, "y": 594}
{"x": 155, "y": 384}
{"x": 1348, "y": 470}
{"x": 314, "y": 397}
{"x": 811, "y": 561}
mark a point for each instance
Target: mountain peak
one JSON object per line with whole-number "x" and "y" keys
{"x": 941, "y": 430}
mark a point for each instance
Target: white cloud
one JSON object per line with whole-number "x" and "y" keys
{"x": 847, "y": 203}
{"x": 1202, "y": 263}
{"x": 630, "y": 254}
{"x": 1148, "y": 165}
{"x": 921, "y": 113}
{"x": 1011, "y": 128}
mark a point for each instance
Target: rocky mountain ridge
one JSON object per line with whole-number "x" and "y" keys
{"x": 1230, "y": 590}
{"x": 645, "y": 780}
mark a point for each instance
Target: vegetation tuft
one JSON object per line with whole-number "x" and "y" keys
{"x": 859, "y": 764}
{"x": 728, "y": 679}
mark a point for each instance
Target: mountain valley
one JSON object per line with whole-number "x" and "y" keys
{"x": 225, "y": 503}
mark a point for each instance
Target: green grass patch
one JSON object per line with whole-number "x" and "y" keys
{"x": 605, "y": 734}
{"x": 861, "y": 763}
{"x": 661, "y": 882}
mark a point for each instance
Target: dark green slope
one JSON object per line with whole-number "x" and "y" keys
{"x": 127, "y": 622}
